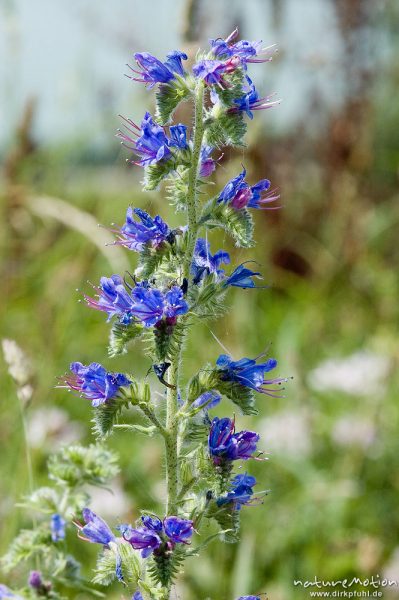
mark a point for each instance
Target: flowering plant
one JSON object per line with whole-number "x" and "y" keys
{"x": 178, "y": 281}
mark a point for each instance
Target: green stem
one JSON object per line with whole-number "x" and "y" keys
{"x": 172, "y": 420}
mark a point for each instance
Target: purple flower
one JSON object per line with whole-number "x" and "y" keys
{"x": 112, "y": 298}
{"x": 178, "y": 530}
{"x": 240, "y": 493}
{"x": 204, "y": 263}
{"x": 144, "y": 539}
{"x": 154, "y": 71}
{"x": 137, "y": 596}
{"x": 207, "y": 400}
{"x": 207, "y": 164}
{"x": 225, "y": 445}
{"x": 149, "y": 141}
{"x": 247, "y": 51}
{"x": 250, "y": 101}
{"x": 57, "y": 528}
{"x": 213, "y": 71}
{"x": 240, "y": 195}
{"x": 36, "y": 582}
{"x": 248, "y": 598}
{"x": 155, "y": 534}
{"x": 96, "y": 530}
{"x": 149, "y": 231}
{"x": 242, "y": 277}
{"x": 94, "y": 382}
{"x": 249, "y": 374}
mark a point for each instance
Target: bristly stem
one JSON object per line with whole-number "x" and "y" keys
{"x": 172, "y": 423}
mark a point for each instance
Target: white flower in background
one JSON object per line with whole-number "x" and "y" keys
{"x": 287, "y": 432}
{"x": 19, "y": 367}
{"x": 361, "y": 374}
{"x": 52, "y": 426}
{"x": 353, "y": 430}
{"x": 111, "y": 503}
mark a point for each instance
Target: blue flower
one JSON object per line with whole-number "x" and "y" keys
{"x": 178, "y": 136}
{"x": 174, "y": 302}
{"x": 178, "y": 530}
{"x": 155, "y": 534}
{"x": 240, "y": 493}
{"x": 149, "y": 231}
{"x": 154, "y": 71}
{"x": 240, "y": 195}
{"x": 96, "y": 530}
{"x": 149, "y": 141}
{"x": 94, "y": 382}
{"x": 225, "y": 445}
{"x": 137, "y": 596}
{"x": 250, "y": 100}
{"x": 249, "y": 374}
{"x": 148, "y": 305}
{"x": 247, "y": 51}
{"x": 207, "y": 164}
{"x": 242, "y": 277}
{"x": 112, "y": 298}
{"x": 57, "y": 528}
{"x": 207, "y": 400}
{"x": 204, "y": 263}
{"x": 248, "y": 598}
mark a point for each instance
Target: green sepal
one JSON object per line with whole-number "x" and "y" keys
{"x": 177, "y": 190}
{"x": 121, "y": 335}
{"x": 26, "y": 544}
{"x": 225, "y": 128}
{"x": 206, "y": 300}
{"x": 168, "y": 97}
{"x": 233, "y": 89}
{"x": 105, "y": 568}
{"x": 237, "y": 223}
{"x": 242, "y": 396}
{"x": 228, "y": 520}
{"x": 168, "y": 339}
{"x": 155, "y": 173}
{"x": 45, "y": 500}
{"x": 130, "y": 565}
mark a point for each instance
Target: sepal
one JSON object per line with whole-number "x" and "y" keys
{"x": 224, "y": 128}
{"x": 228, "y": 520}
{"x": 27, "y": 543}
{"x": 168, "y": 97}
{"x": 121, "y": 335}
{"x": 237, "y": 223}
{"x": 78, "y": 465}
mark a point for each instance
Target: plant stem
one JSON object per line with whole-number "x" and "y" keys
{"x": 172, "y": 421}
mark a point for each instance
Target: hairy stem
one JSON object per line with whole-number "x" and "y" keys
{"x": 172, "y": 422}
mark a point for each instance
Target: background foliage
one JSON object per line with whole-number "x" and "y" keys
{"x": 329, "y": 256}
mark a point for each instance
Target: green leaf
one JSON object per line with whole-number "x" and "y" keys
{"x": 177, "y": 191}
{"x": 234, "y": 88}
{"x": 228, "y": 520}
{"x": 237, "y": 223}
{"x": 167, "y": 564}
{"x": 130, "y": 565}
{"x": 168, "y": 97}
{"x": 77, "y": 465}
{"x": 242, "y": 396}
{"x": 120, "y": 337}
{"x": 206, "y": 300}
{"x": 104, "y": 418}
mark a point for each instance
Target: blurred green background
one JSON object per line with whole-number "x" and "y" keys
{"x": 330, "y": 257}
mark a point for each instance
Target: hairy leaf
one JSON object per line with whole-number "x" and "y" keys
{"x": 237, "y": 223}
{"x": 168, "y": 97}
{"x": 120, "y": 337}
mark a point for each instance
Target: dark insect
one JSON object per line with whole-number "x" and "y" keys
{"x": 184, "y": 286}
{"x": 160, "y": 371}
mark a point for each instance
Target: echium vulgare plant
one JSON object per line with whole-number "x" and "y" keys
{"x": 179, "y": 279}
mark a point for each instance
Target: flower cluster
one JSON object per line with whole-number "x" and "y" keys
{"x": 142, "y": 302}
{"x": 240, "y": 492}
{"x": 250, "y": 374}
{"x": 225, "y": 445}
{"x": 156, "y": 535}
{"x": 98, "y": 385}
{"x": 238, "y": 194}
